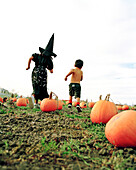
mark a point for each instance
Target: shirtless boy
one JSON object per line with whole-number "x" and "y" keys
{"x": 74, "y": 86}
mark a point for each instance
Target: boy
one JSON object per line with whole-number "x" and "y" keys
{"x": 74, "y": 86}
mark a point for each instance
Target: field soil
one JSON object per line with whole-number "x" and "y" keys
{"x": 63, "y": 139}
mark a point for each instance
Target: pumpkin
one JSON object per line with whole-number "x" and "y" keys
{"x": 21, "y": 102}
{"x": 67, "y": 102}
{"x": 103, "y": 111}
{"x": 119, "y": 107}
{"x": 14, "y": 99}
{"x": 1, "y": 100}
{"x": 125, "y": 107}
{"x": 48, "y": 104}
{"x": 27, "y": 101}
{"x": 133, "y": 108}
{"x": 83, "y": 105}
{"x": 74, "y": 104}
{"x": 91, "y": 104}
{"x": 59, "y": 104}
{"x": 63, "y": 102}
{"x": 121, "y": 129}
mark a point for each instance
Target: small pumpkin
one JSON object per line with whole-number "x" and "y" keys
{"x": 119, "y": 107}
{"x": 14, "y": 99}
{"x": 125, "y": 107}
{"x": 83, "y": 105}
{"x": 121, "y": 129}
{"x": 48, "y": 104}
{"x": 91, "y": 104}
{"x": 21, "y": 102}
{"x": 1, "y": 99}
{"x": 103, "y": 111}
{"x": 59, "y": 104}
{"x": 74, "y": 104}
{"x": 67, "y": 102}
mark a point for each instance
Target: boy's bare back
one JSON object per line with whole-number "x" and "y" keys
{"x": 77, "y": 75}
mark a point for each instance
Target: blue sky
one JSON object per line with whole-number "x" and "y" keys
{"x": 101, "y": 33}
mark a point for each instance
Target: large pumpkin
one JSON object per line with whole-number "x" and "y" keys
{"x": 48, "y": 104}
{"x": 103, "y": 111}
{"x": 121, "y": 129}
{"x": 21, "y": 102}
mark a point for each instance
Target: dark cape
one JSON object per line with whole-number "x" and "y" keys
{"x": 39, "y": 75}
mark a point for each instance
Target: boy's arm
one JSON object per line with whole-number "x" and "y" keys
{"x": 71, "y": 71}
{"x": 29, "y": 62}
{"x": 82, "y": 76}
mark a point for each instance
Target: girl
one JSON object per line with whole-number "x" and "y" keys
{"x": 43, "y": 61}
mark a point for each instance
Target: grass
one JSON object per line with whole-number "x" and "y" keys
{"x": 103, "y": 152}
{"x": 61, "y": 138}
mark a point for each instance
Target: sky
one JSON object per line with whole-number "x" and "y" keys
{"x": 100, "y": 32}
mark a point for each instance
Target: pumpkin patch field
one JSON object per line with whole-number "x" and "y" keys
{"x": 63, "y": 139}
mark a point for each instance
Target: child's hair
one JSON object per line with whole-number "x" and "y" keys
{"x": 79, "y": 63}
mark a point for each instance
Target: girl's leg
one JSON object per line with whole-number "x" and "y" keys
{"x": 36, "y": 99}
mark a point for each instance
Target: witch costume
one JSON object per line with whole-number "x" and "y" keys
{"x": 42, "y": 61}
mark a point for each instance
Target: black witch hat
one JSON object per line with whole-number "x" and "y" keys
{"x": 48, "y": 51}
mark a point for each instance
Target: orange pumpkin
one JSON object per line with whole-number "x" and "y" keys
{"x": 91, "y": 104}
{"x": 121, "y": 129}
{"x": 48, "y": 104}
{"x": 62, "y": 103}
{"x": 119, "y": 107}
{"x": 21, "y": 102}
{"x": 14, "y": 99}
{"x": 125, "y": 107}
{"x": 74, "y": 104}
{"x": 103, "y": 111}
{"x": 67, "y": 102}
{"x": 1, "y": 99}
{"x": 83, "y": 105}
{"x": 59, "y": 105}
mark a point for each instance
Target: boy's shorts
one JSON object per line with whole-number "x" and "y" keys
{"x": 74, "y": 89}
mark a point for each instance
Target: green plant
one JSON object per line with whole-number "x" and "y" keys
{"x": 50, "y": 146}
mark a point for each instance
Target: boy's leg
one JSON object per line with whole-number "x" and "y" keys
{"x": 78, "y": 100}
{"x": 78, "y": 105}
{"x": 70, "y": 102}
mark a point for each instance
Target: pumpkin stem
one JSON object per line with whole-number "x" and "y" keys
{"x": 50, "y": 96}
{"x": 56, "y": 98}
{"x": 100, "y": 98}
{"x": 107, "y": 97}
